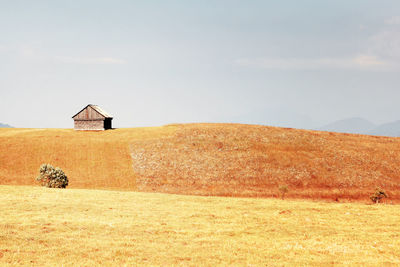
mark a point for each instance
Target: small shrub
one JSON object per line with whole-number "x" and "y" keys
{"x": 52, "y": 177}
{"x": 377, "y": 196}
{"x": 283, "y": 189}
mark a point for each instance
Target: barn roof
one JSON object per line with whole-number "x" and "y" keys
{"x": 101, "y": 111}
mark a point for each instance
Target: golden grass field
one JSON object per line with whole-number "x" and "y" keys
{"x": 209, "y": 159}
{"x": 79, "y": 227}
{"x": 90, "y": 159}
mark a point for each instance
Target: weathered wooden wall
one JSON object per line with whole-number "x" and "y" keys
{"x": 96, "y": 125}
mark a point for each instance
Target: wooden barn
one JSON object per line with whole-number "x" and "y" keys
{"x": 92, "y": 118}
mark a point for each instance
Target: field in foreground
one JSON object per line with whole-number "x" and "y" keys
{"x": 78, "y": 227}
{"x": 209, "y": 159}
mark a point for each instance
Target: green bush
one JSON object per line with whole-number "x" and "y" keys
{"x": 377, "y": 196}
{"x": 52, "y": 177}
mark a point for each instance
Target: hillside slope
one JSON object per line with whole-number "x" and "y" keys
{"x": 90, "y": 159}
{"x": 209, "y": 159}
{"x": 250, "y": 160}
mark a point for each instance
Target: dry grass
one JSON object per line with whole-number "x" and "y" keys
{"x": 250, "y": 160}
{"x": 90, "y": 159}
{"x": 209, "y": 159}
{"x": 77, "y": 227}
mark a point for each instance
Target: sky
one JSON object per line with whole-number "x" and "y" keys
{"x": 294, "y": 63}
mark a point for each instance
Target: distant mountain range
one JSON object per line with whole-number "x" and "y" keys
{"x": 363, "y": 126}
{"x": 279, "y": 117}
{"x": 387, "y": 129}
{"x": 285, "y": 118}
{"x": 2, "y": 125}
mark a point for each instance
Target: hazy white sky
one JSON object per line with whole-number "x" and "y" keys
{"x": 293, "y": 63}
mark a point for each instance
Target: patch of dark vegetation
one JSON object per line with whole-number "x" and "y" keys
{"x": 52, "y": 177}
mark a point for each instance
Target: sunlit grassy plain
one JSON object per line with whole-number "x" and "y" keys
{"x": 80, "y": 227}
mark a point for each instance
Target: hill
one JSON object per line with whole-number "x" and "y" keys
{"x": 2, "y": 125}
{"x": 90, "y": 159}
{"x": 351, "y": 125}
{"x": 280, "y": 117}
{"x": 209, "y": 159}
{"x": 78, "y": 227}
{"x": 363, "y": 126}
{"x": 387, "y": 129}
